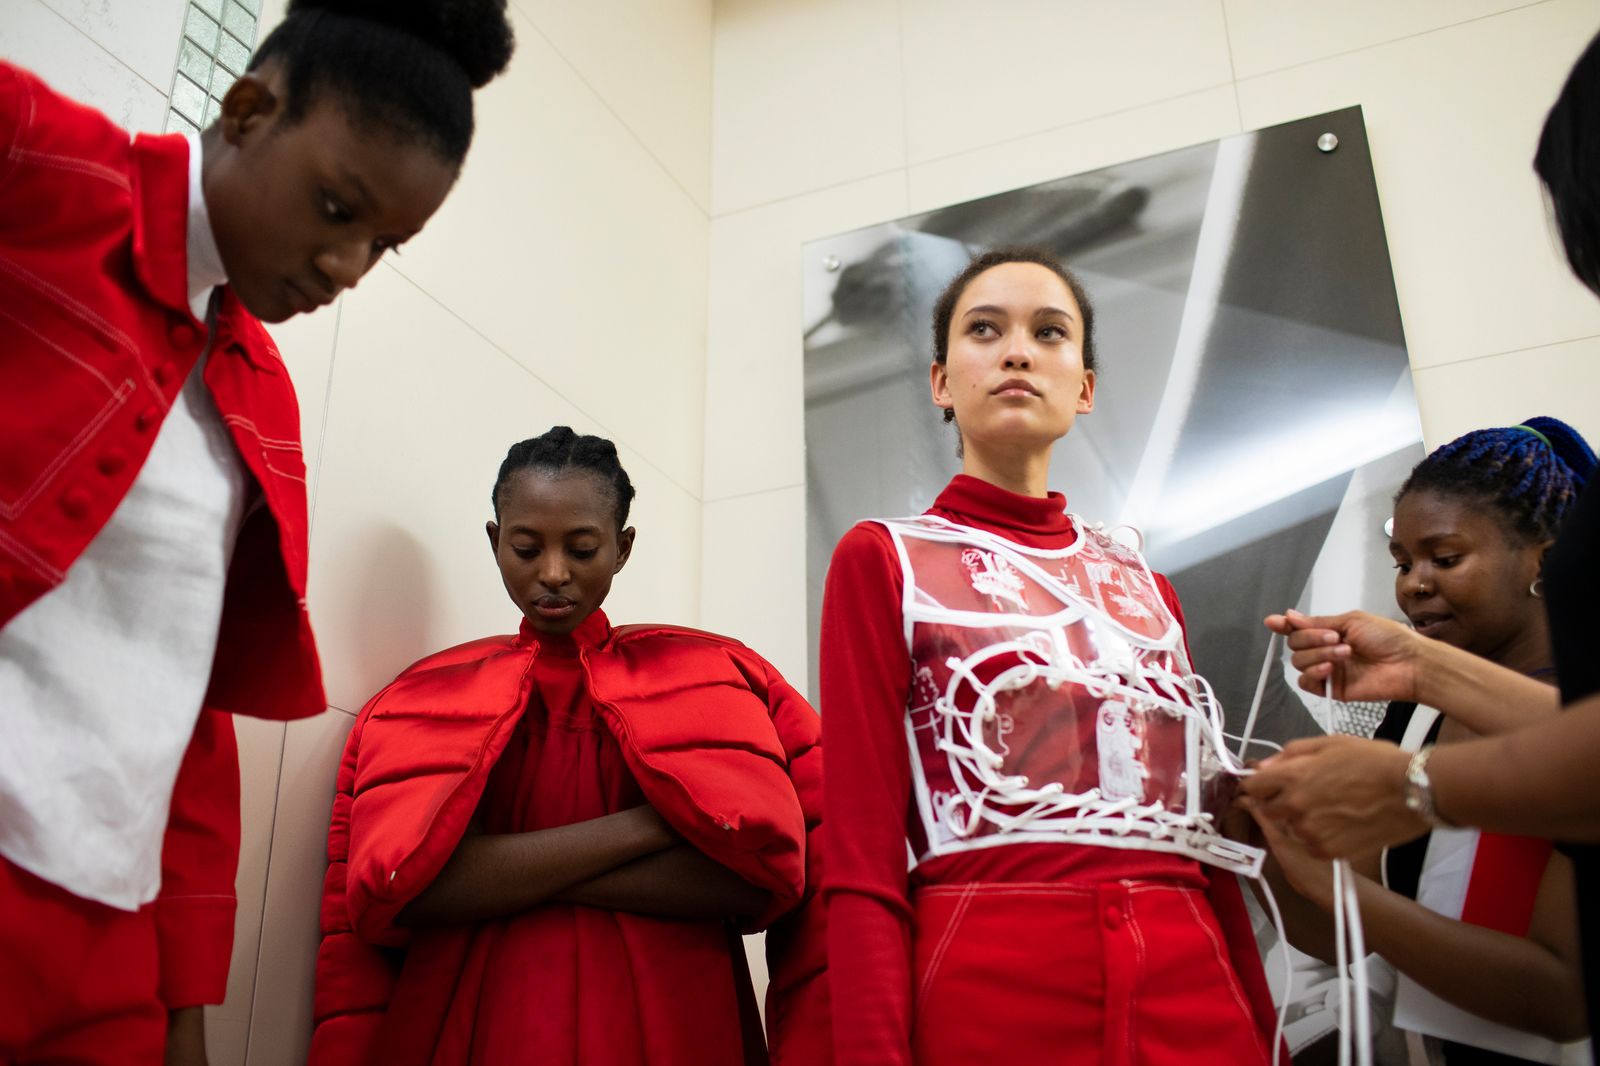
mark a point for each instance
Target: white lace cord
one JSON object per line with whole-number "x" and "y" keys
{"x": 1288, "y": 965}
{"x": 1255, "y": 702}
{"x": 1341, "y": 962}
{"x": 1358, "y": 952}
{"x": 1351, "y": 949}
{"x": 959, "y": 735}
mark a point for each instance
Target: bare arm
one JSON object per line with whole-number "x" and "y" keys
{"x": 1537, "y": 781}
{"x": 494, "y": 875}
{"x": 1372, "y": 658}
{"x": 186, "y": 1037}
{"x": 1532, "y": 983}
{"x": 679, "y": 882}
{"x": 1345, "y": 795}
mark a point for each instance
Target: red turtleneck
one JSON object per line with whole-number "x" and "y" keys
{"x": 865, "y": 684}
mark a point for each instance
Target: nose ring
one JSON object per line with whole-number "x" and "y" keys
{"x": 1422, "y": 588}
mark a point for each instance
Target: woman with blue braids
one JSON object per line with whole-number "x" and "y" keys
{"x": 1471, "y": 526}
{"x": 1343, "y": 795}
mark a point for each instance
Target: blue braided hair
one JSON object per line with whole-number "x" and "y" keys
{"x": 1529, "y": 474}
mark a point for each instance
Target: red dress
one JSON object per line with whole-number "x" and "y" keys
{"x": 580, "y": 984}
{"x": 1035, "y": 952}
{"x": 526, "y": 732}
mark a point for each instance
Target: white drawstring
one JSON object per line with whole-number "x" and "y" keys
{"x": 1288, "y": 965}
{"x": 1350, "y": 949}
{"x": 1255, "y": 702}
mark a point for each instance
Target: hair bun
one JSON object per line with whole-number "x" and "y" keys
{"x": 475, "y": 33}
{"x": 1569, "y": 446}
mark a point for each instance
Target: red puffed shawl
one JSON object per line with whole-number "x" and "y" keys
{"x": 722, "y": 746}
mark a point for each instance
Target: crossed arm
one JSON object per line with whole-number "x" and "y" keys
{"x": 628, "y": 861}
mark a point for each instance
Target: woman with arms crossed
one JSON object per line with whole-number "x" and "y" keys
{"x": 565, "y": 830}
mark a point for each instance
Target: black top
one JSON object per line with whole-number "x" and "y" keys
{"x": 1402, "y": 870}
{"x": 1572, "y": 588}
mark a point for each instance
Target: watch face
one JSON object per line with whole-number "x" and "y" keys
{"x": 1418, "y": 793}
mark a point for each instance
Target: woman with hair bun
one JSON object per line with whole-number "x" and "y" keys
{"x": 1345, "y": 795}
{"x": 153, "y": 527}
{"x": 564, "y": 831}
{"x": 1472, "y": 524}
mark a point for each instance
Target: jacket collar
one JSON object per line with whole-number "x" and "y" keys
{"x": 161, "y": 217}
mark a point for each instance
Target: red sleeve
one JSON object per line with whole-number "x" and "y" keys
{"x": 865, "y": 680}
{"x": 1170, "y": 596}
{"x": 14, "y": 99}
{"x": 199, "y": 862}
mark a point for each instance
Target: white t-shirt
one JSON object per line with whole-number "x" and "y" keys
{"x": 102, "y": 678}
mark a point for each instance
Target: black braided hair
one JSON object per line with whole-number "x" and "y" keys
{"x": 561, "y": 451}
{"x": 1530, "y": 474}
{"x": 407, "y": 65}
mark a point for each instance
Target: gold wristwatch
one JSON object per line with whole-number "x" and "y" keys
{"x": 1419, "y": 790}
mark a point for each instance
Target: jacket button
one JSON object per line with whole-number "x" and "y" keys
{"x": 147, "y": 418}
{"x": 1113, "y": 917}
{"x": 165, "y": 373}
{"x": 75, "y": 503}
{"x": 111, "y": 462}
{"x": 182, "y": 335}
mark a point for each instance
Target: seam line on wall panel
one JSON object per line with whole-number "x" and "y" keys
{"x": 754, "y": 492}
{"x": 1396, "y": 40}
{"x": 322, "y": 430}
{"x": 1097, "y": 117}
{"x": 1233, "y": 70}
{"x": 118, "y": 59}
{"x": 604, "y": 429}
{"x": 829, "y": 187}
{"x": 341, "y": 710}
{"x": 704, "y": 209}
{"x": 266, "y": 894}
{"x": 912, "y": 165}
{"x": 1508, "y": 351}
{"x": 905, "y": 96}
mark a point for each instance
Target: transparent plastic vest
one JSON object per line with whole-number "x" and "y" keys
{"x": 1052, "y": 700}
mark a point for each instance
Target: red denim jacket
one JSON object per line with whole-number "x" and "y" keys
{"x": 96, "y": 340}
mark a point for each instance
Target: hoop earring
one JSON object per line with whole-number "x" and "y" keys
{"x": 1536, "y": 588}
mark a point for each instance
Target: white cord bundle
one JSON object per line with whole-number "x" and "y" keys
{"x": 1350, "y": 950}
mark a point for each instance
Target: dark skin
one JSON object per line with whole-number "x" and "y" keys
{"x": 1462, "y": 578}
{"x": 186, "y": 1037}
{"x": 301, "y": 210}
{"x": 558, "y": 547}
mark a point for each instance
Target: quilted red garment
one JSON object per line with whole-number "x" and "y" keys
{"x": 721, "y": 745}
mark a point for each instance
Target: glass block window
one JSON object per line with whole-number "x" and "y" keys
{"x": 218, "y": 36}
